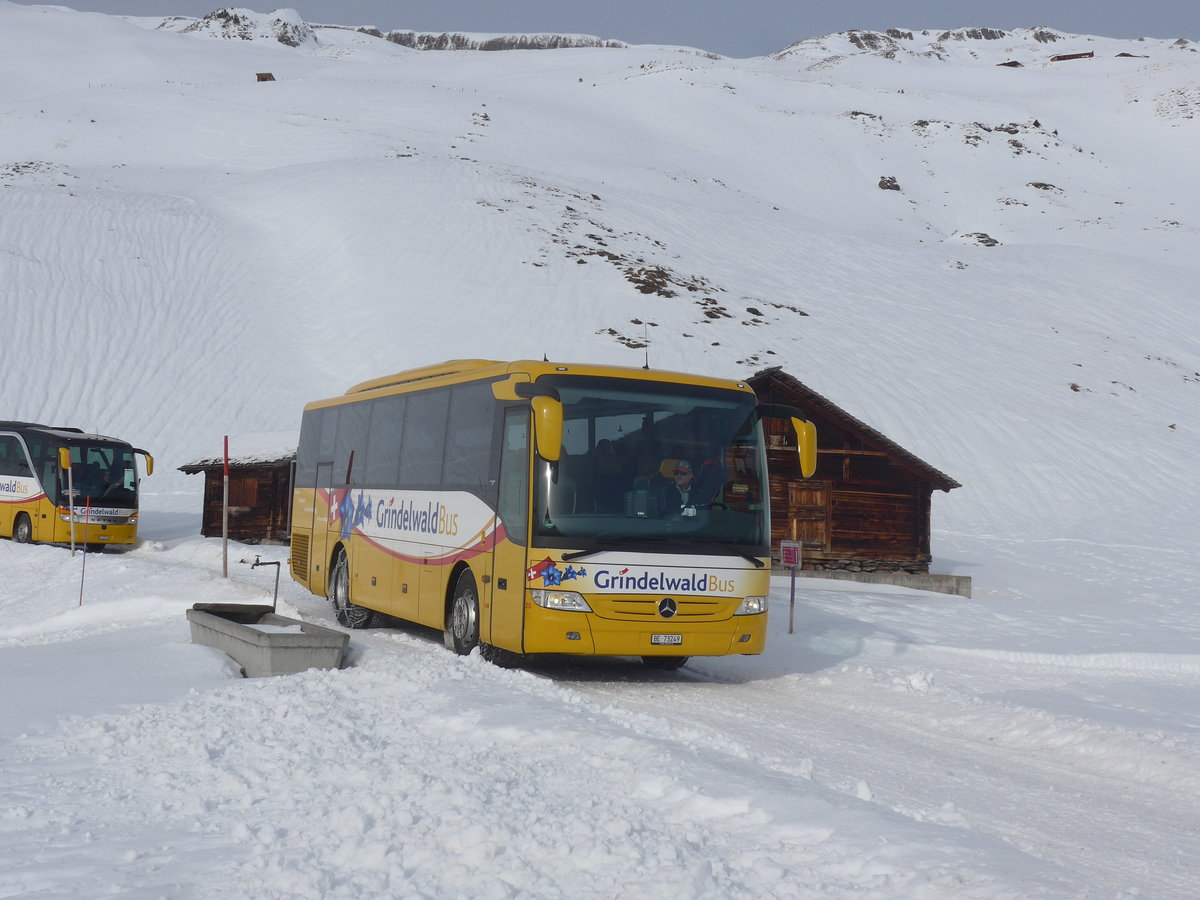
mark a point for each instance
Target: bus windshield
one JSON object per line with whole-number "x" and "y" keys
{"x": 105, "y": 474}
{"x": 675, "y": 468}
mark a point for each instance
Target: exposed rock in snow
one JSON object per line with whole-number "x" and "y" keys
{"x": 282, "y": 25}
{"x": 459, "y": 41}
{"x": 991, "y": 45}
{"x": 287, "y": 27}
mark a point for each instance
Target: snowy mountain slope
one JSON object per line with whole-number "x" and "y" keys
{"x": 1027, "y": 46}
{"x": 401, "y": 192}
{"x": 286, "y": 27}
{"x": 994, "y": 266}
{"x": 966, "y": 256}
{"x": 236, "y": 23}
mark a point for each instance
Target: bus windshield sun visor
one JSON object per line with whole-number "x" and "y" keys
{"x": 528, "y": 390}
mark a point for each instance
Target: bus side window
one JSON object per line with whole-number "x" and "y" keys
{"x": 12, "y": 458}
{"x": 424, "y": 439}
{"x": 469, "y": 438}
{"x": 349, "y": 459}
{"x": 382, "y": 461}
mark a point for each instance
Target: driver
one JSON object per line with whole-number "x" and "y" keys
{"x": 114, "y": 481}
{"x": 677, "y": 497}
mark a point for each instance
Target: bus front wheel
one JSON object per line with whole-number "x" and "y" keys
{"x": 344, "y": 611}
{"x": 23, "y": 530}
{"x": 462, "y": 618}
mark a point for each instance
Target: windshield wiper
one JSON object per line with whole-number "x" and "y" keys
{"x": 758, "y": 563}
{"x": 611, "y": 539}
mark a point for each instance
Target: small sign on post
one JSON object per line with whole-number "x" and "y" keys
{"x": 789, "y": 557}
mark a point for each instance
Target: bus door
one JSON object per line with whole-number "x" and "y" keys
{"x": 505, "y": 625}
{"x": 318, "y": 553}
{"x": 53, "y": 482}
{"x": 324, "y": 435}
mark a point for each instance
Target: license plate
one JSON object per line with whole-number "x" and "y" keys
{"x": 666, "y": 638}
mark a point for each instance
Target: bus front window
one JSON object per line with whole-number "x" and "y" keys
{"x": 103, "y": 474}
{"x": 653, "y": 464}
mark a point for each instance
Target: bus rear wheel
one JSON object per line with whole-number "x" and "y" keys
{"x": 344, "y": 611}
{"x": 23, "y": 530}
{"x": 462, "y": 617}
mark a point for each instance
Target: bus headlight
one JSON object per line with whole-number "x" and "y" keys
{"x": 751, "y": 606}
{"x": 568, "y": 601}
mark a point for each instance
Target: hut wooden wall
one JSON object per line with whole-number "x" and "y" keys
{"x": 864, "y": 509}
{"x": 258, "y": 503}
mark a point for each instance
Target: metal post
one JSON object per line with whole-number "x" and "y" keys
{"x": 789, "y": 555}
{"x": 792, "y": 606}
{"x": 225, "y": 516}
{"x": 87, "y": 515}
{"x": 71, "y": 504}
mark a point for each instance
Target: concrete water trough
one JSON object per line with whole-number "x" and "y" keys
{"x": 263, "y": 642}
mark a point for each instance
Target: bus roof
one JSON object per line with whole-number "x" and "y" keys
{"x": 65, "y": 433}
{"x": 455, "y": 371}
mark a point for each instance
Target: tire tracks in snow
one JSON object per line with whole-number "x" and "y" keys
{"x": 927, "y": 755}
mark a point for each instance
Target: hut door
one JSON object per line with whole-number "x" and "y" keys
{"x": 808, "y": 513}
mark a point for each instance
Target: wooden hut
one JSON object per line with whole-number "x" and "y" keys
{"x": 866, "y": 508}
{"x": 1063, "y": 57}
{"x": 261, "y": 468}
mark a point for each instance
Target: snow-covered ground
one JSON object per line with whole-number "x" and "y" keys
{"x": 185, "y": 252}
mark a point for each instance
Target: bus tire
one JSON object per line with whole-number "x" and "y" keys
{"x": 23, "y": 529}
{"x": 462, "y": 615}
{"x": 664, "y": 663}
{"x": 344, "y": 611}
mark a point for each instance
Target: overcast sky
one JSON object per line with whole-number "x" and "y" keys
{"x": 730, "y": 27}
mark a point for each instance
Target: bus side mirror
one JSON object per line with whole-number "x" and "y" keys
{"x": 64, "y": 457}
{"x": 548, "y": 423}
{"x": 149, "y": 460}
{"x": 806, "y": 445}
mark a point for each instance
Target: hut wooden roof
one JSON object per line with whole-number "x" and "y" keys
{"x": 247, "y": 450}
{"x": 808, "y": 399}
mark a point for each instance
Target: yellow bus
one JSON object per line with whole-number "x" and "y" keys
{"x": 538, "y": 507}
{"x": 59, "y": 485}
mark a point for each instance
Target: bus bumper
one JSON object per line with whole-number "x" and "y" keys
{"x": 548, "y": 631}
{"x": 96, "y": 534}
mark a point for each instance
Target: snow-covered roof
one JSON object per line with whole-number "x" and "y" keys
{"x": 254, "y": 449}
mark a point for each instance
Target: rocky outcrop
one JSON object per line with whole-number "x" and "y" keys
{"x": 232, "y": 23}
{"x": 459, "y": 41}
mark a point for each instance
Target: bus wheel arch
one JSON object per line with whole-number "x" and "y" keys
{"x": 23, "y": 529}
{"x": 461, "y": 633}
{"x": 338, "y": 591}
